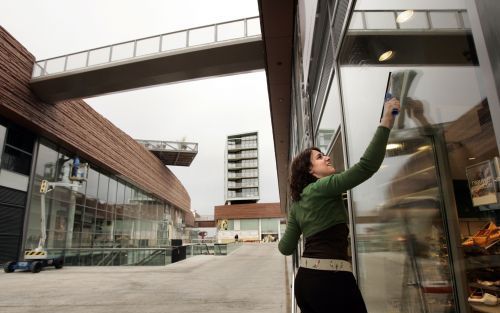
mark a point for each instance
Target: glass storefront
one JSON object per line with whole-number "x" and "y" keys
{"x": 424, "y": 227}
{"x": 104, "y": 212}
{"x": 412, "y": 217}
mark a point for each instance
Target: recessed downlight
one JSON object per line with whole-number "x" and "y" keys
{"x": 404, "y": 16}
{"x": 386, "y": 56}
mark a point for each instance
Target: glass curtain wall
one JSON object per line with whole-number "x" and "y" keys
{"x": 103, "y": 212}
{"x": 425, "y": 225}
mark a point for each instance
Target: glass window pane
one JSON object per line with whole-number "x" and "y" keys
{"x": 91, "y": 191}
{"x": 123, "y": 51}
{"x": 230, "y": 225}
{"x": 356, "y": 21}
{"x": 3, "y": 132}
{"x": 330, "y": 120}
{"x": 77, "y": 60}
{"x": 20, "y": 138}
{"x": 174, "y": 41}
{"x": 249, "y": 224}
{"x": 269, "y": 225}
{"x": 120, "y": 194}
{"x": 230, "y": 30}
{"x": 99, "y": 56}
{"x": 201, "y": 36}
{"x": 55, "y": 65}
{"x": 112, "y": 191}
{"x": 46, "y": 163}
{"x": 380, "y": 20}
{"x": 444, "y": 20}
{"x": 148, "y": 46}
{"x": 402, "y": 214}
{"x": 16, "y": 161}
{"x": 102, "y": 193}
{"x": 253, "y": 27}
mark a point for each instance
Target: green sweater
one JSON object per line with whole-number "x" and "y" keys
{"x": 321, "y": 206}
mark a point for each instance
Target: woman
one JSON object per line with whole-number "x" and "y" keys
{"x": 324, "y": 282}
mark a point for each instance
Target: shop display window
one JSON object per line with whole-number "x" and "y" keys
{"x": 426, "y": 225}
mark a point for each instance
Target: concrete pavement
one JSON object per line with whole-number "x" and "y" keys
{"x": 251, "y": 279}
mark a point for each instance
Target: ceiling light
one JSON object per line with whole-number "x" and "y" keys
{"x": 472, "y": 158}
{"x": 386, "y": 56}
{"x": 393, "y": 146}
{"x": 404, "y": 16}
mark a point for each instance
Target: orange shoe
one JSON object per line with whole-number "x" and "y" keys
{"x": 468, "y": 242}
{"x": 485, "y": 236}
{"x": 481, "y": 237}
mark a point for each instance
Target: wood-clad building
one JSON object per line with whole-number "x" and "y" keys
{"x": 130, "y": 197}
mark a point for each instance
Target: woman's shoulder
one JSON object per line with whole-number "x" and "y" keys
{"x": 314, "y": 186}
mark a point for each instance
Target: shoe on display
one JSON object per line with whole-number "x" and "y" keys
{"x": 483, "y": 297}
{"x": 485, "y": 282}
{"x": 486, "y": 236}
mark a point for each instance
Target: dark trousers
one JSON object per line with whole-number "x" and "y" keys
{"x": 327, "y": 292}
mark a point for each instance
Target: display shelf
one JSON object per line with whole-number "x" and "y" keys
{"x": 484, "y": 308}
{"x": 482, "y": 261}
{"x": 496, "y": 290}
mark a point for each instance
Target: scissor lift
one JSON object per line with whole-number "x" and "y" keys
{"x": 38, "y": 258}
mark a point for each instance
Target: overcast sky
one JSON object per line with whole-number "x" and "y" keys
{"x": 202, "y": 111}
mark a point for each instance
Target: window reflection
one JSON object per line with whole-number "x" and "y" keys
{"x": 330, "y": 119}
{"x": 103, "y": 213}
{"x": 403, "y": 214}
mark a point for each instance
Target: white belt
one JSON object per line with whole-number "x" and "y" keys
{"x": 326, "y": 264}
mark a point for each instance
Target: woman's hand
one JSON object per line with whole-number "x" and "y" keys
{"x": 388, "y": 117}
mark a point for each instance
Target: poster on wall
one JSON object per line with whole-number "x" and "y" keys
{"x": 482, "y": 186}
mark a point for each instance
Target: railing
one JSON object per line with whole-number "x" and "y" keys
{"x": 215, "y": 248}
{"x": 199, "y": 249}
{"x": 138, "y": 256}
{"x": 247, "y": 185}
{"x": 418, "y": 20}
{"x": 241, "y": 156}
{"x": 225, "y": 248}
{"x": 169, "y": 145}
{"x": 242, "y": 195}
{"x": 200, "y": 241}
{"x": 204, "y": 35}
{"x": 118, "y": 256}
{"x": 242, "y": 175}
{"x": 241, "y": 166}
{"x": 242, "y": 146}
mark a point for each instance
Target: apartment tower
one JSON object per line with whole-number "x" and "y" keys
{"x": 242, "y": 169}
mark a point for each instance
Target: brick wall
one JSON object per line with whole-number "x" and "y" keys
{"x": 75, "y": 126}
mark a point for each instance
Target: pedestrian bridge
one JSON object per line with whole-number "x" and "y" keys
{"x": 207, "y": 51}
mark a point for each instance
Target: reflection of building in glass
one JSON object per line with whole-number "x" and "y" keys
{"x": 324, "y": 138}
{"x": 419, "y": 243}
{"x": 130, "y": 199}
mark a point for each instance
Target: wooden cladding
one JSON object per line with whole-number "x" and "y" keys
{"x": 75, "y": 126}
{"x": 248, "y": 210}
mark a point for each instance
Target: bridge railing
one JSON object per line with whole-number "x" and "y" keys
{"x": 163, "y": 145}
{"x": 204, "y": 35}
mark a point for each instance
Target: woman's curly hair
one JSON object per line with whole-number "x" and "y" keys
{"x": 299, "y": 173}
